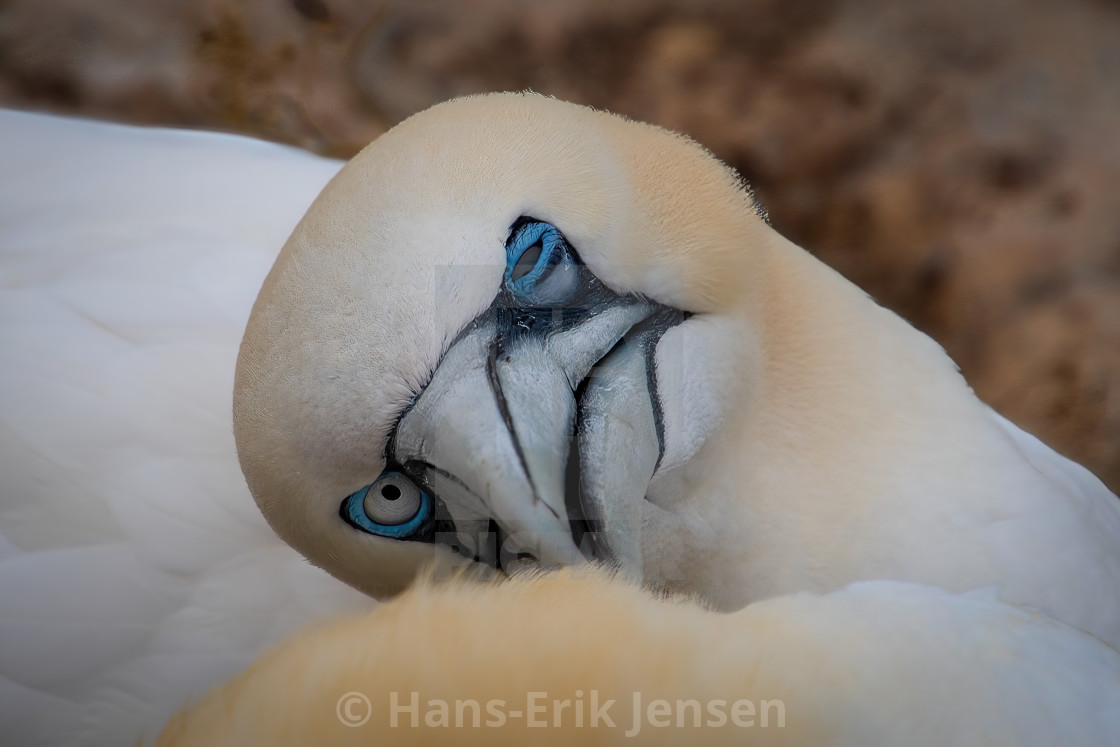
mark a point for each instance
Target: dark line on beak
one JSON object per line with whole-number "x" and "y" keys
{"x": 391, "y": 437}
{"x": 503, "y": 407}
{"x": 649, "y": 332}
{"x": 584, "y": 530}
{"x": 416, "y": 468}
{"x": 655, "y": 400}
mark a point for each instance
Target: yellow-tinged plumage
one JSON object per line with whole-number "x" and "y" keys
{"x": 810, "y": 439}
{"x": 877, "y": 663}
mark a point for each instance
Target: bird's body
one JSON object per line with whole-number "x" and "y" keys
{"x": 135, "y": 570}
{"x": 765, "y": 428}
{"x": 877, "y": 663}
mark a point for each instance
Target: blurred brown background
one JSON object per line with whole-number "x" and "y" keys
{"x": 959, "y": 159}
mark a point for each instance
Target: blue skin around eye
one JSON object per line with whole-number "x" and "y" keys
{"x": 554, "y": 251}
{"x": 356, "y": 513}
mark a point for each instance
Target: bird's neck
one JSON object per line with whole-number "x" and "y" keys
{"x": 857, "y": 423}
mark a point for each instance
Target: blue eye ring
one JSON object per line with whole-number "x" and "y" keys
{"x": 356, "y": 512}
{"x": 541, "y": 267}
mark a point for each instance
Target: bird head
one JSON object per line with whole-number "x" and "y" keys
{"x": 513, "y": 331}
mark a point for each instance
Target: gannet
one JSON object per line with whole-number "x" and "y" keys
{"x": 514, "y": 332}
{"x": 747, "y": 424}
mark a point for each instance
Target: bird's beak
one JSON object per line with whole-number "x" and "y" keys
{"x": 539, "y": 433}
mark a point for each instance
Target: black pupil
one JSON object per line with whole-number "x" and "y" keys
{"x": 390, "y": 492}
{"x": 527, "y": 261}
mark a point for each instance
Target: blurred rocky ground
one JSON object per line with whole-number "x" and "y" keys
{"x": 959, "y": 159}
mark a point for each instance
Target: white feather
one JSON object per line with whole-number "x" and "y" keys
{"x": 135, "y": 569}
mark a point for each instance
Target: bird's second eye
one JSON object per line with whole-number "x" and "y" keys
{"x": 541, "y": 267}
{"x": 392, "y": 506}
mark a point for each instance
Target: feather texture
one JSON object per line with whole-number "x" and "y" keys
{"x": 135, "y": 569}
{"x": 877, "y": 663}
{"x": 814, "y": 438}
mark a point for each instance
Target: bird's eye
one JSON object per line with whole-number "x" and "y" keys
{"x": 392, "y": 506}
{"x": 541, "y": 268}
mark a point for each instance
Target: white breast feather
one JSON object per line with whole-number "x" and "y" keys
{"x": 135, "y": 570}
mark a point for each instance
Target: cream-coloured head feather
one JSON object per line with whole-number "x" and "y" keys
{"x": 779, "y": 432}
{"x": 406, "y": 246}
